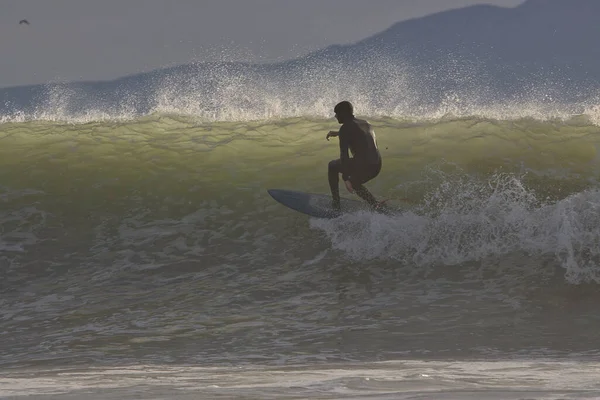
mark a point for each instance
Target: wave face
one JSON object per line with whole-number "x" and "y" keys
{"x": 471, "y": 188}
{"x": 135, "y": 225}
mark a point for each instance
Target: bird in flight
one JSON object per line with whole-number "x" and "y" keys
{"x": 23, "y": 21}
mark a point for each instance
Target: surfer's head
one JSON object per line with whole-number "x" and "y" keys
{"x": 344, "y": 111}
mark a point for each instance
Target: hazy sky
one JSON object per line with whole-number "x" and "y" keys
{"x": 104, "y": 39}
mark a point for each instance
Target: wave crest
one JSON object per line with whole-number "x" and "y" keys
{"x": 379, "y": 86}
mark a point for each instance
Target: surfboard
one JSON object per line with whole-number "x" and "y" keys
{"x": 315, "y": 205}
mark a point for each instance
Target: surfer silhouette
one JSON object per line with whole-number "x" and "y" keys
{"x": 358, "y": 136}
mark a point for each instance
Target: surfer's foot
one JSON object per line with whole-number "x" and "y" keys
{"x": 380, "y": 207}
{"x": 335, "y": 205}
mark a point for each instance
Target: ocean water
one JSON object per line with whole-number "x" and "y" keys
{"x": 142, "y": 257}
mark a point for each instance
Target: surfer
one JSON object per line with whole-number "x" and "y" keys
{"x": 358, "y": 136}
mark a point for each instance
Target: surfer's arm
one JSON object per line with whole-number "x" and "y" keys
{"x": 331, "y": 134}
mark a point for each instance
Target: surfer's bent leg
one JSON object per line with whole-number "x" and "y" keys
{"x": 335, "y": 168}
{"x": 369, "y": 172}
{"x": 364, "y": 194}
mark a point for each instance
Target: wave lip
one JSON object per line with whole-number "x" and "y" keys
{"x": 379, "y": 86}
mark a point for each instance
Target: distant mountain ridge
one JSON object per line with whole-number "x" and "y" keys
{"x": 538, "y": 31}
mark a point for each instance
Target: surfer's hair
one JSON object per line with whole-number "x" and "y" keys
{"x": 344, "y": 108}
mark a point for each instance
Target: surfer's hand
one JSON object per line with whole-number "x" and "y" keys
{"x": 331, "y": 134}
{"x": 349, "y": 186}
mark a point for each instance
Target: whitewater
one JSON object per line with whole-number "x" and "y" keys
{"x": 141, "y": 255}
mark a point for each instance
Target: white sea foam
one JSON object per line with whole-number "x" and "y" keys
{"x": 467, "y": 220}
{"x": 409, "y": 379}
